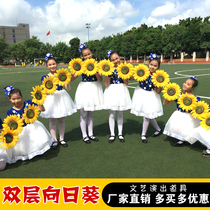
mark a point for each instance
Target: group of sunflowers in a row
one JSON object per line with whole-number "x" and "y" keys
{"x": 13, "y": 124}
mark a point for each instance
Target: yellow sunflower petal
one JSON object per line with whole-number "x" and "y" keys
{"x": 76, "y": 66}
{"x": 90, "y": 66}
{"x": 125, "y": 70}
{"x": 200, "y": 109}
{"x": 49, "y": 84}
{"x": 106, "y": 67}
{"x": 31, "y": 113}
{"x": 62, "y": 77}
{"x": 160, "y": 78}
{"x": 141, "y": 72}
{"x": 14, "y": 123}
{"x": 39, "y": 96}
{"x": 205, "y": 122}
{"x": 187, "y": 102}
{"x": 8, "y": 139}
{"x": 171, "y": 91}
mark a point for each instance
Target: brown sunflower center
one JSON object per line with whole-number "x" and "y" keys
{"x": 187, "y": 101}
{"x": 13, "y": 125}
{"x": 106, "y": 67}
{"x": 140, "y": 72}
{"x": 199, "y": 109}
{"x": 208, "y": 121}
{"x": 38, "y": 95}
{"x": 8, "y": 138}
{"x": 160, "y": 78}
{"x": 125, "y": 70}
{"x": 90, "y": 66}
{"x": 30, "y": 113}
{"x": 62, "y": 77}
{"x": 171, "y": 91}
{"x": 77, "y": 66}
{"x": 49, "y": 84}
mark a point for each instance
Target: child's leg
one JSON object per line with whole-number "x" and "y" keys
{"x": 120, "y": 122}
{"x": 53, "y": 128}
{"x": 83, "y": 119}
{"x": 145, "y": 126}
{"x": 61, "y": 127}
{"x": 156, "y": 126}
{"x": 112, "y": 122}
{"x": 90, "y": 123}
{"x": 2, "y": 165}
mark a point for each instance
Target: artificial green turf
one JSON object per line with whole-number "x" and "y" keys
{"x": 132, "y": 159}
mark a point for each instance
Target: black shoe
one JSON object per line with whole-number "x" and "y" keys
{"x": 63, "y": 143}
{"x": 86, "y": 140}
{"x": 54, "y": 145}
{"x": 205, "y": 153}
{"x": 111, "y": 139}
{"x": 93, "y": 138}
{"x": 179, "y": 143}
{"x": 143, "y": 138}
{"x": 121, "y": 138}
{"x": 157, "y": 133}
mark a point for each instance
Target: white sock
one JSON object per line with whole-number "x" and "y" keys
{"x": 53, "y": 128}
{"x": 155, "y": 125}
{"x": 120, "y": 122}
{"x": 61, "y": 127}
{"x": 112, "y": 122}
{"x": 145, "y": 126}
{"x": 83, "y": 119}
{"x": 90, "y": 123}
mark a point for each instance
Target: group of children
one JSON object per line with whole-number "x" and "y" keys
{"x": 35, "y": 139}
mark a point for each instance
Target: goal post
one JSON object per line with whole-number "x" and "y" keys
{"x": 39, "y": 61}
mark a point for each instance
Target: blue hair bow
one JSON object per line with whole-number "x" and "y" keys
{"x": 82, "y": 46}
{"x": 48, "y": 55}
{"x": 7, "y": 90}
{"x": 109, "y": 53}
{"x": 193, "y": 77}
{"x": 152, "y": 56}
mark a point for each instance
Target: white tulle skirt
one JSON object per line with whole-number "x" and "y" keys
{"x": 200, "y": 134}
{"x": 180, "y": 125}
{"x": 34, "y": 140}
{"x": 117, "y": 97}
{"x": 89, "y": 96}
{"x": 57, "y": 105}
{"x": 146, "y": 103}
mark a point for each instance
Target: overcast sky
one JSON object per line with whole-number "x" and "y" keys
{"x": 66, "y": 19}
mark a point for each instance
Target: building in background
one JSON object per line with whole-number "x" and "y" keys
{"x": 15, "y": 34}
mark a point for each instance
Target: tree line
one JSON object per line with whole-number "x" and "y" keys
{"x": 189, "y": 35}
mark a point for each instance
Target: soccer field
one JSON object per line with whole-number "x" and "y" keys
{"x": 132, "y": 159}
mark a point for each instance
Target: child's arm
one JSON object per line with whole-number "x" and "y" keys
{"x": 73, "y": 77}
{"x": 41, "y": 108}
{"x": 107, "y": 81}
{"x": 99, "y": 76}
{"x": 131, "y": 78}
{"x": 125, "y": 81}
{"x": 166, "y": 102}
{"x": 158, "y": 90}
{"x": 68, "y": 87}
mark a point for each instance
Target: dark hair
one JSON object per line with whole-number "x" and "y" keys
{"x": 157, "y": 59}
{"x": 113, "y": 52}
{"x": 50, "y": 58}
{"x": 195, "y": 82}
{"x": 84, "y": 48}
{"x": 13, "y": 91}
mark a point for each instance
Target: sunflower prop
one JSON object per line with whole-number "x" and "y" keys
{"x": 106, "y": 67}
{"x": 201, "y": 108}
{"x": 141, "y": 72}
{"x": 76, "y": 66}
{"x": 49, "y": 85}
{"x": 8, "y": 138}
{"x": 38, "y": 95}
{"x": 90, "y": 67}
{"x": 31, "y": 114}
{"x": 14, "y": 123}
{"x": 62, "y": 77}
{"x": 187, "y": 102}
{"x": 160, "y": 78}
{"x": 125, "y": 70}
{"x": 171, "y": 91}
{"x": 205, "y": 122}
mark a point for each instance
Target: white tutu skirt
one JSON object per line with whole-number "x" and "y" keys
{"x": 34, "y": 140}
{"x": 180, "y": 125}
{"x": 117, "y": 97}
{"x": 146, "y": 103}
{"x": 200, "y": 134}
{"x": 89, "y": 96}
{"x": 57, "y": 105}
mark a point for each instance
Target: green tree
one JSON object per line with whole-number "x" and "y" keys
{"x": 4, "y": 47}
{"x": 74, "y": 48}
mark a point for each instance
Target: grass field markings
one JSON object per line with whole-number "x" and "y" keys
{"x": 23, "y": 72}
{"x": 131, "y": 87}
{"x": 204, "y": 97}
